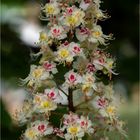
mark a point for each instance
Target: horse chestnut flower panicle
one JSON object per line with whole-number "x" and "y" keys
{"x": 66, "y": 82}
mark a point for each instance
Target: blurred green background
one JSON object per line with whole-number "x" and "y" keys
{"x": 20, "y": 26}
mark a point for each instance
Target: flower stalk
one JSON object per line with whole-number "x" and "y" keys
{"x": 70, "y": 76}
{"x": 70, "y": 100}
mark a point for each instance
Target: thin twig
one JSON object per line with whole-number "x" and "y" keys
{"x": 62, "y": 91}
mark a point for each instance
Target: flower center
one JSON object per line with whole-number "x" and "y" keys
{"x": 102, "y": 102}
{"x": 72, "y": 20}
{"x": 111, "y": 110}
{"x": 31, "y": 134}
{"x": 50, "y": 9}
{"x": 72, "y": 78}
{"x": 73, "y": 130}
{"x": 46, "y": 104}
{"x": 41, "y": 127}
{"x": 56, "y": 32}
{"x": 64, "y": 53}
{"x": 43, "y": 36}
{"x": 51, "y": 94}
{"x": 96, "y": 34}
{"x": 47, "y": 66}
{"x": 37, "y": 73}
{"x": 76, "y": 49}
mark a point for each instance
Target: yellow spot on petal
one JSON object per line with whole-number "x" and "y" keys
{"x": 73, "y": 130}
{"x": 111, "y": 110}
{"x": 43, "y": 36}
{"x": 96, "y": 34}
{"x": 72, "y": 20}
{"x": 30, "y": 133}
{"x": 37, "y": 73}
{"x": 49, "y": 9}
{"x": 86, "y": 88}
{"x": 110, "y": 64}
{"x": 64, "y": 53}
{"x": 46, "y": 104}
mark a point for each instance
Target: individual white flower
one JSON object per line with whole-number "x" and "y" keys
{"x": 99, "y": 102}
{"x": 86, "y": 124}
{"x": 58, "y": 132}
{"x": 72, "y": 79}
{"x": 51, "y": 8}
{"x": 109, "y": 65}
{"x": 54, "y": 95}
{"x": 44, "y": 40}
{"x": 70, "y": 119}
{"x": 99, "y": 63}
{"x": 111, "y": 110}
{"x": 75, "y": 49}
{"x": 97, "y": 35}
{"x": 97, "y": 2}
{"x": 36, "y": 75}
{"x": 85, "y": 4}
{"x": 42, "y": 127}
{"x": 50, "y": 67}
{"x": 105, "y": 64}
{"x": 82, "y": 33}
{"x": 57, "y": 32}
{"x": 80, "y": 64}
{"x": 99, "y": 14}
{"x": 105, "y": 108}
{"x": 74, "y": 131}
{"x": 31, "y": 134}
{"x": 90, "y": 68}
{"x": 88, "y": 84}
{"x": 43, "y": 37}
{"x": 24, "y": 115}
{"x": 64, "y": 55}
{"x": 43, "y": 104}
{"x": 67, "y": 51}
{"x": 72, "y": 17}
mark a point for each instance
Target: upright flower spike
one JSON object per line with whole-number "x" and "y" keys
{"x": 68, "y": 76}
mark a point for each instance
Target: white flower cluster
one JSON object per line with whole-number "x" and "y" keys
{"x": 67, "y": 51}
{"x": 67, "y": 83}
{"x": 76, "y": 126}
{"x": 37, "y": 130}
{"x": 40, "y": 73}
